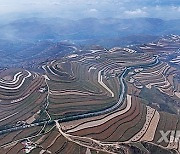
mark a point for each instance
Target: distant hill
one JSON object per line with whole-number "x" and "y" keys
{"x": 86, "y": 29}
{"x": 28, "y": 54}
{"x": 28, "y": 42}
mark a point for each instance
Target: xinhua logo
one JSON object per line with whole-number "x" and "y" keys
{"x": 170, "y": 136}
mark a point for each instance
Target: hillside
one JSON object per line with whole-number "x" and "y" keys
{"x": 84, "y": 29}
{"x": 95, "y": 101}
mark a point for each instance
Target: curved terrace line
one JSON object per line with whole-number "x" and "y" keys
{"x": 95, "y": 113}
{"x": 14, "y": 81}
{"x": 100, "y": 80}
{"x": 101, "y": 121}
{"x": 15, "y": 88}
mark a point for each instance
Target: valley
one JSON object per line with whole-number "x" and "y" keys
{"x": 92, "y": 99}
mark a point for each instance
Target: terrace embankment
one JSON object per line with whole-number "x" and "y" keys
{"x": 132, "y": 89}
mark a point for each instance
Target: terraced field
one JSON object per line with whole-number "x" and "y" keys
{"x": 94, "y": 101}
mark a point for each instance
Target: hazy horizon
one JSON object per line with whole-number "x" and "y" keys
{"x": 78, "y": 9}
